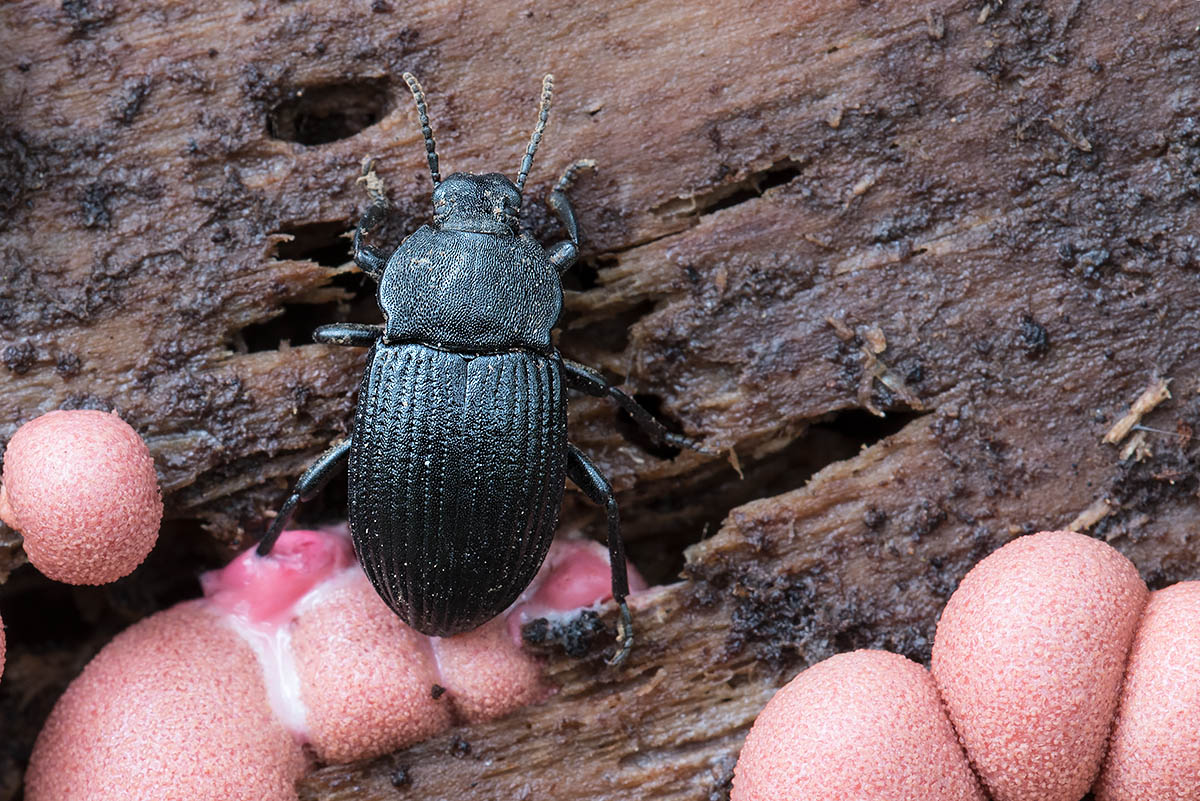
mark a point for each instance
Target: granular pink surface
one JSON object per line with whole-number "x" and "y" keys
{"x": 366, "y": 679}
{"x": 1029, "y": 655}
{"x": 173, "y": 709}
{"x": 486, "y": 674}
{"x": 80, "y": 486}
{"x": 212, "y": 699}
{"x": 861, "y": 726}
{"x": 1154, "y": 752}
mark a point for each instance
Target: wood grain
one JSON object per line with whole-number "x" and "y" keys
{"x": 978, "y": 219}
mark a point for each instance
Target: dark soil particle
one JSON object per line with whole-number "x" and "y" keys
{"x": 401, "y": 778}
{"x": 20, "y": 357}
{"x": 459, "y": 747}
{"x": 1034, "y": 339}
{"x": 574, "y": 636}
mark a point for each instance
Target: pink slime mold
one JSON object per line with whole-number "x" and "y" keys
{"x": 1154, "y": 750}
{"x": 80, "y": 486}
{"x": 860, "y": 726}
{"x": 1028, "y": 657}
{"x": 213, "y": 699}
{"x": 175, "y": 707}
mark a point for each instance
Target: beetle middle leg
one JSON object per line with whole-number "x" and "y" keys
{"x": 585, "y": 379}
{"x": 351, "y": 334}
{"x": 312, "y": 482}
{"x": 588, "y": 478}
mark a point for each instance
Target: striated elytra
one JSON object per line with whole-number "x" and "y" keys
{"x": 459, "y": 448}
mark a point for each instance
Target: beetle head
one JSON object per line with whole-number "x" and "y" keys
{"x": 486, "y": 204}
{"x": 482, "y": 203}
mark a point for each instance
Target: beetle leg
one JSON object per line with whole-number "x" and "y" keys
{"x": 353, "y": 334}
{"x": 307, "y": 487}
{"x": 369, "y": 258}
{"x": 588, "y": 478}
{"x": 563, "y": 254}
{"x": 585, "y": 379}
{"x": 560, "y": 204}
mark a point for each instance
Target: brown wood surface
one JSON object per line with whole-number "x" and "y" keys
{"x": 981, "y": 220}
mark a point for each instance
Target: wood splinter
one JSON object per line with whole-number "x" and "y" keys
{"x": 1153, "y": 395}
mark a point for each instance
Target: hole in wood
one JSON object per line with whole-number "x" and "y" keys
{"x": 753, "y": 187}
{"x": 322, "y": 242}
{"x": 727, "y": 195}
{"x": 317, "y": 115}
{"x": 584, "y": 275}
{"x": 664, "y": 518}
{"x": 325, "y": 244}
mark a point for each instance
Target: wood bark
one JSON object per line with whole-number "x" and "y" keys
{"x": 905, "y": 265}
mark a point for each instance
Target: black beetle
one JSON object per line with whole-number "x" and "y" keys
{"x": 459, "y": 447}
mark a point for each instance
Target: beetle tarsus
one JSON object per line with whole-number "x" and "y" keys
{"x": 373, "y": 183}
{"x": 370, "y": 259}
{"x": 560, "y": 204}
{"x": 624, "y": 636}
{"x": 281, "y": 519}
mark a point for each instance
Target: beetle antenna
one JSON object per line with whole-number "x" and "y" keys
{"x": 430, "y": 148}
{"x": 536, "y": 139}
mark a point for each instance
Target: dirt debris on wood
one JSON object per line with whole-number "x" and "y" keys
{"x": 997, "y": 201}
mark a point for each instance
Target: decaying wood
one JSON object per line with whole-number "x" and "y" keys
{"x": 978, "y": 219}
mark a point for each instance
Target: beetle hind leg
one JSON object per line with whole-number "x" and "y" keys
{"x": 309, "y": 484}
{"x": 588, "y": 478}
{"x": 590, "y": 382}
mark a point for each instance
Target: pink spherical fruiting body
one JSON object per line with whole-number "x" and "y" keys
{"x": 173, "y": 708}
{"x": 290, "y": 650}
{"x": 486, "y": 674}
{"x": 860, "y": 726}
{"x": 1154, "y": 751}
{"x": 80, "y": 486}
{"x": 1029, "y": 655}
{"x": 366, "y": 679}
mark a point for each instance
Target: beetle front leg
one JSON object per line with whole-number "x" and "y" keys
{"x": 370, "y": 259}
{"x": 310, "y": 483}
{"x": 585, "y": 379}
{"x": 563, "y": 254}
{"x": 588, "y": 478}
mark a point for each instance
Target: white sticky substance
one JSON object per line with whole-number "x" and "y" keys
{"x": 272, "y": 645}
{"x": 271, "y": 642}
